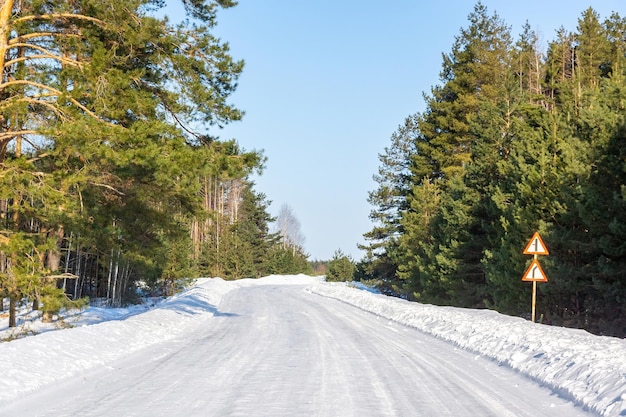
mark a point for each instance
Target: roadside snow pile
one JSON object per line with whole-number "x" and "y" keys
{"x": 300, "y": 279}
{"x": 590, "y": 370}
{"x": 30, "y": 363}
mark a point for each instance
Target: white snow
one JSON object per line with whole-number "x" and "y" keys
{"x": 589, "y": 370}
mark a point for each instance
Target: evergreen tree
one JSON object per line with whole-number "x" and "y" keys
{"x": 589, "y": 119}
{"x": 512, "y": 143}
{"x": 452, "y": 155}
{"x": 390, "y": 201}
{"x": 287, "y": 261}
{"x": 603, "y": 211}
{"x": 592, "y": 51}
{"x": 416, "y": 272}
{"x": 96, "y": 101}
{"x": 615, "y": 27}
{"x": 340, "y": 267}
{"x": 528, "y": 66}
{"x": 250, "y": 241}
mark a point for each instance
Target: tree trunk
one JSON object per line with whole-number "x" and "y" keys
{"x": 53, "y": 256}
{"x": 78, "y": 289}
{"x": 12, "y": 311}
{"x": 3, "y": 267}
{"x": 77, "y": 282}
{"x": 5, "y": 15}
{"x": 115, "y": 278}
{"x": 110, "y": 277}
{"x": 68, "y": 256}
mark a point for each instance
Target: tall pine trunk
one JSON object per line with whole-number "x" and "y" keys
{"x": 12, "y": 309}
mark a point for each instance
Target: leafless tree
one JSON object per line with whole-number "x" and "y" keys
{"x": 289, "y": 228}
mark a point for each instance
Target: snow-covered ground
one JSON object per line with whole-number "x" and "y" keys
{"x": 588, "y": 370}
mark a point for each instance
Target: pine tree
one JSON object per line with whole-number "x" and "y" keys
{"x": 471, "y": 72}
{"x": 511, "y": 143}
{"x": 414, "y": 270}
{"x": 340, "y": 267}
{"x": 592, "y": 51}
{"x": 591, "y": 124}
{"x": 96, "y": 106}
{"x": 390, "y": 201}
{"x": 615, "y": 27}
{"x": 250, "y": 241}
{"x": 527, "y": 63}
{"x": 452, "y": 155}
{"x": 550, "y": 185}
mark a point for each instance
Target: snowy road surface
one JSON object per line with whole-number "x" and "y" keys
{"x": 282, "y": 351}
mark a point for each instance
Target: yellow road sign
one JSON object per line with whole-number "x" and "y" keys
{"x": 535, "y": 273}
{"x": 536, "y": 246}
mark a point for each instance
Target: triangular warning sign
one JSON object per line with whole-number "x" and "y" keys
{"x": 535, "y": 273}
{"x": 536, "y": 246}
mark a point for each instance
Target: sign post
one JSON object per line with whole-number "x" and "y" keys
{"x": 534, "y": 272}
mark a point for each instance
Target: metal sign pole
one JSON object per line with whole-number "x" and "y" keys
{"x": 534, "y": 300}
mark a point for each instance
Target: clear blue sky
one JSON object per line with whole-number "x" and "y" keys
{"x": 326, "y": 83}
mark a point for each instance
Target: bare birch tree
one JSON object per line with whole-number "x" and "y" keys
{"x": 288, "y": 226}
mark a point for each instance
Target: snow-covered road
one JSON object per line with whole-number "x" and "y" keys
{"x": 282, "y": 351}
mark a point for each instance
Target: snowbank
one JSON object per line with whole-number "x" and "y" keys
{"x": 299, "y": 279}
{"x": 30, "y": 363}
{"x": 590, "y": 370}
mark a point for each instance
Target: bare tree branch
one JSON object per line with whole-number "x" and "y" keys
{"x": 35, "y": 35}
{"x": 60, "y": 16}
{"x": 46, "y": 54}
{"x": 108, "y": 187}
{"x": 289, "y": 228}
{"x": 9, "y": 135}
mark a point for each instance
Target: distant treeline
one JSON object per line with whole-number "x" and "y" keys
{"x": 518, "y": 137}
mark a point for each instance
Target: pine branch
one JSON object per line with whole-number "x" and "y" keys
{"x": 27, "y": 36}
{"x": 60, "y": 16}
{"x": 108, "y": 187}
{"x": 43, "y": 103}
{"x": 34, "y": 101}
{"x": 61, "y": 276}
{"x": 57, "y": 93}
{"x": 46, "y": 54}
{"x": 169, "y": 109}
{"x": 12, "y": 134}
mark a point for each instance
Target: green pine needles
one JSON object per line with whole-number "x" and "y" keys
{"x": 110, "y": 173}
{"x": 512, "y": 141}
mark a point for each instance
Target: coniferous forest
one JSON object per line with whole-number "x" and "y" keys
{"x": 112, "y": 175}
{"x": 518, "y": 137}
